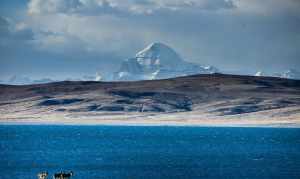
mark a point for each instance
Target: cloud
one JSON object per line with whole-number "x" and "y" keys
{"x": 127, "y": 8}
{"x": 268, "y": 7}
{"x": 63, "y": 33}
{"x": 27, "y": 51}
{"x": 52, "y": 6}
{"x": 12, "y": 32}
{"x": 3, "y": 26}
{"x": 124, "y": 6}
{"x": 107, "y": 26}
{"x": 149, "y": 7}
{"x": 13, "y": 36}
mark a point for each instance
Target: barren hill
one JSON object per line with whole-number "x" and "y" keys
{"x": 198, "y": 99}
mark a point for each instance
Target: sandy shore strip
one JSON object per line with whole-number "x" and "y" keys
{"x": 179, "y": 119}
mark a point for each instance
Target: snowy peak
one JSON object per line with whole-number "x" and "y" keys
{"x": 158, "y": 61}
{"x": 260, "y": 73}
{"x": 158, "y": 54}
{"x": 156, "y": 50}
{"x": 211, "y": 69}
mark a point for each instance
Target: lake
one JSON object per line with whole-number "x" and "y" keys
{"x": 149, "y": 152}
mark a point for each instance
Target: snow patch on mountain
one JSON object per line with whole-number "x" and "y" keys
{"x": 98, "y": 77}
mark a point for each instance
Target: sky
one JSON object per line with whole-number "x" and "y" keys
{"x": 71, "y": 38}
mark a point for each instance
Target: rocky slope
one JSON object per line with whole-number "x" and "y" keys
{"x": 200, "y": 97}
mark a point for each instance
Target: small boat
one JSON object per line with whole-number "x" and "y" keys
{"x": 42, "y": 175}
{"x": 63, "y": 175}
{"x": 60, "y": 175}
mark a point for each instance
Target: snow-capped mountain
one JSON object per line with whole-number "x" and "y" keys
{"x": 158, "y": 61}
{"x": 23, "y": 80}
{"x": 260, "y": 73}
{"x": 289, "y": 74}
{"x": 18, "y": 80}
{"x": 43, "y": 80}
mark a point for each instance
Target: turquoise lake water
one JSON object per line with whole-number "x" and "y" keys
{"x": 149, "y": 152}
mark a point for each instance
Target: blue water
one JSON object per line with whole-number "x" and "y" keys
{"x": 149, "y": 152}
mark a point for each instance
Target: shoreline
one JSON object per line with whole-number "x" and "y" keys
{"x": 150, "y": 124}
{"x": 185, "y": 119}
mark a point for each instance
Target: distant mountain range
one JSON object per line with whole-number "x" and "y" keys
{"x": 156, "y": 61}
{"x": 21, "y": 80}
{"x": 289, "y": 74}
